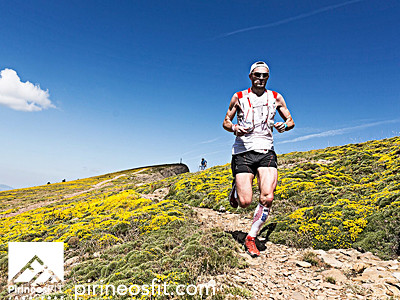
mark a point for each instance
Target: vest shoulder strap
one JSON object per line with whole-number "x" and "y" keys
{"x": 243, "y": 93}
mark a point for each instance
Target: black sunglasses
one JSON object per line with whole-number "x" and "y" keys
{"x": 261, "y": 75}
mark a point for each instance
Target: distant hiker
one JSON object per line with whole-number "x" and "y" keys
{"x": 203, "y": 164}
{"x": 253, "y": 151}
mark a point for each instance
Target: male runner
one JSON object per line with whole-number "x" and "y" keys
{"x": 253, "y": 150}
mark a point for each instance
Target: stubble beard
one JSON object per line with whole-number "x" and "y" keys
{"x": 259, "y": 87}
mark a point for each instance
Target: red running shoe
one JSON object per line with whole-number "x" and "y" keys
{"x": 233, "y": 198}
{"x": 251, "y": 247}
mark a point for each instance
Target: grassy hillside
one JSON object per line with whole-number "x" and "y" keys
{"x": 115, "y": 235}
{"x": 338, "y": 197}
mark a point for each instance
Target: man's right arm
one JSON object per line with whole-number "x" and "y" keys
{"x": 230, "y": 114}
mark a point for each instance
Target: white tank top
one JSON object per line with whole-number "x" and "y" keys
{"x": 257, "y": 114}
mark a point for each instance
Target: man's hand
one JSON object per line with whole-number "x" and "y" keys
{"x": 239, "y": 130}
{"x": 280, "y": 126}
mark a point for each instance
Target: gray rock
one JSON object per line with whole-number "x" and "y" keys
{"x": 396, "y": 275}
{"x": 297, "y": 296}
{"x": 330, "y": 260}
{"x": 303, "y": 264}
{"x": 335, "y": 273}
{"x": 359, "y": 267}
{"x": 71, "y": 261}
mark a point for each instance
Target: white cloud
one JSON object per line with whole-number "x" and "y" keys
{"x": 209, "y": 141}
{"x": 339, "y": 131}
{"x": 22, "y": 96}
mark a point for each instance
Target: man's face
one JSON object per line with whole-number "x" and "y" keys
{"x": 259, "y": 77}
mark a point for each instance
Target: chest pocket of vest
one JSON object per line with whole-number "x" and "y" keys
{"x": 265, "y": 114}
{"x": 246, "y": 117}
{"x": 270, "y": 111}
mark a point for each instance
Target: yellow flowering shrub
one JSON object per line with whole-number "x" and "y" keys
{"x": 338, "y": 196}
{"x": 106, "y": 218}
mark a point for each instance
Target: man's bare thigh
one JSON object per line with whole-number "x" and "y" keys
{"x": 267, "y": 179}
{"x": 244, "y": 188}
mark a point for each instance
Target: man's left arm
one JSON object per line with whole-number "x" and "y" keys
{"x": 285, "y": 114}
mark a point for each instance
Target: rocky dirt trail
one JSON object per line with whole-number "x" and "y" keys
{"x": 95, "y": 187}
{"x": 143, "y": 178}
{"x": 281, "y": 272}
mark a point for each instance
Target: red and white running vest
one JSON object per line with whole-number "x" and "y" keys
{"x": 257, "y": 114}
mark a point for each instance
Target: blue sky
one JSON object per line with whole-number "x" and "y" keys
{"x": 91, "y": 87}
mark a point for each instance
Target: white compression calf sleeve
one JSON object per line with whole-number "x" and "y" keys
{"x": 260, "y": 216}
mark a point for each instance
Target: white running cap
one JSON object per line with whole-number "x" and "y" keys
{"x": 258, "y": 64}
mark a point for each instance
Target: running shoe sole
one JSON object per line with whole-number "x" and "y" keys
{"x": 251, "y": 254}
{"x": 233, "y": 201}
